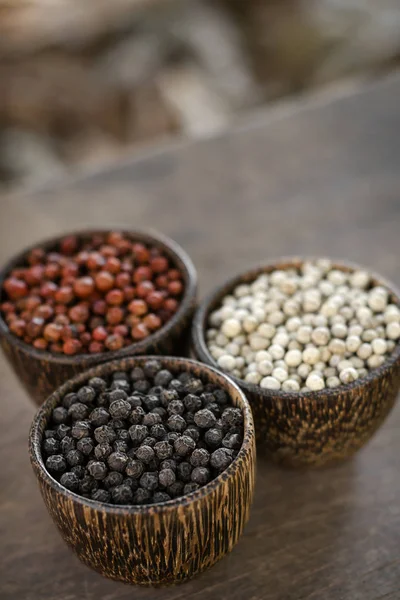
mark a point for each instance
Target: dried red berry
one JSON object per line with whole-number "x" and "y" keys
{"x": 139, "y": 332}
{"x": 104, "y": 281}
{"x": 15, "y": 288}
{"x": 84, "y": 286}
{"x": 71, "y": 346}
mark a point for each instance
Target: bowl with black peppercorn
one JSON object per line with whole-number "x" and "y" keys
{"x": 146, "y": 465}
{"x": 82, "y": 298}
{"x": 314, "y": 343}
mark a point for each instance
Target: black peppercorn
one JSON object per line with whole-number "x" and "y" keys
{"x": 74, "y": 457}
{"x": 56, "y": 463}
{"x": 141, "y": 386}
{"x": 167, "y": 396}
{"x": 120, "y": 409}
{"x": 151, "y": 402}
{"x": 67, "y": 444}
{"x": 122, "y": 494}
{"x": 231, "y": 417}
{"x": 99, "y": 416}
{"x": 80, "y": 429}
{"x": 176, "y": 489}
{"x": 184, "y": 471}
{"x": 113, "y": 479}
{"x": 168, "y": 463}
{"x": 149, "y": 481}
{"x": 184, "y": 445}
{"x": 232, "y": 441}
{"x": 163, "y": 450}
{"x": 101, "y": 496}
{"x": 63, "y": 430}
{"x": 151, "y": 368}
{"x": 59, "y": 415}
{"x": 145, "y": 454}
{"x": 87, "y": 485}
{"x": 176, "y": 423}
{"x": 136, "y": 415}
{"x": 79, "y": 471}
{"x": 134, "y": 468}
{"x": 120, "y": 446}
{"x": 213, "y": 437}
{"x": 161, "y": 497}
{"x": 166, "y": 477}
{"x": 105, "y": 433}
{"x": 117, "y": 461}
{"x": 192, "y": 403}
{"x": 200, "y": 457}
{"x": 98, "y": 384}
{"x": 141, "y": 496}
{"x": 221, "y": 458}
{"x": 86, "y": 394}
{"x": 137, "y": 374}
{"x": 138, "y": 433}
{"x": 158, "y": 431}
{"x": 200, "y": 475}
{"x": 193, "y": 386}
{"x": 51, "y": 446}
{"x": 134, "y": 401}
{"x": 69, "y": 399}
{"x": 191, "y": 487}
{"x": 163, "y": 377}
{"x": 97, "y": 469}
{"x": 192, "y": 432}
{"x": 70, "y": 481}
{"x": 78, "y": 411}
{"x": 102, "y": 451}
{"x": 205, "y": 418}
{"x": 50, "y": 433}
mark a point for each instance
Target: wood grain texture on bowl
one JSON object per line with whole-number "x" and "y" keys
{"x": 41, "y": 372}
{"x": 160, "y": 543}
{"x": 313, "y": 428}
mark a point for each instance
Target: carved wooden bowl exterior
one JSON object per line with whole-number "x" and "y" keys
{"x": 161, "y": 543}
{"x": 41, "y": 372}
{"x": 312, "y": 428}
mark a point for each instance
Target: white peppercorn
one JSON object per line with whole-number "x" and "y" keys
{"x": 270, "y": 383}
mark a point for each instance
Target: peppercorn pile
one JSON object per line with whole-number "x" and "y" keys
{"x": 143, "y": 437}
{"x": 91, "y": 296}
{"x": 304, "y": 329}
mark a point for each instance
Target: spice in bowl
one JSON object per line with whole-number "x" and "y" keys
{"x": 142, "y": 437}
{"x": 91, "y": 295}
{"x": 304, "y": 329}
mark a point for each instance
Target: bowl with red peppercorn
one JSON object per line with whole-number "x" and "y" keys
{"x": 146, "y": 465}
{"x": 79, "y": 299}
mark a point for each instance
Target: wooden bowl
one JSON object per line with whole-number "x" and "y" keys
{"x": 310, "y": 428}
{"x": 160, "y": 543}
{"x": 41, "y": 372}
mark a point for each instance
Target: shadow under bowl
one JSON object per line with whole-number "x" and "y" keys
{"x": 41, "y": 372}
{"x": 301, "y": 429}
{"x": 160, "y": 543}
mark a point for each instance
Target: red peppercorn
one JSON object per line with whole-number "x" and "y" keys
{"x": 56, "y": 347}
{"x": 104, "y": 281}
{"x": 34, "y": 327}
{"x": 114, "y": 237}
{"x": 122, "y": 280}
{"x": 175, "y": 287}
{"x": 159, "y": 264}
{"x": 40, "y": 344}
{"x": 124, "y": 246}
{"x": 52, "y": 332}
{"x": 44, "y": 311}
{"x": 115, "y": 297}
{"x": 17, "y": 326}
{"x": 138, "y": 307}
{"x": 170, "y": 304}
{"x": 162, "y": 281}
{"x": 15, "y": 288}
{"x": 144, "y": 288}
{"x": 48, "y": 289}
{"x": 64, "y": 294}
{"x": 60, "y": 309}
{"x": 83, "y": 287}
{"x": 85, "y": 338}
{"x": 95, "y": 260}
{"x": 32, "y": 302}
{"x": 61, "y": 320}
{"x": 141, "y": 253}
{"x": 114, "y": 342}
{"x": 34, "y": 274}
{"x": 155, "y": 300}
{"x": 121, "y": 330}
{"x": 78, "y": 313}
{"x": 71, "y": 346}
{"x": 96, "y": 322}
{"x": 97, "y": 240}
{"x": 99, "y": 334}
{"x": 174, "y": 274}
{"x": 96, "y": 347}
{"x": 81, "y": 257}
{"x": 99, "y": 307}
{"x": 69, "y": 244}
{"x": 106, "y": 250}
{"x": 132, "y": 320}
{"x": 113, "y": 265}
{"x": 7, "y": 307}
{"x": 114, "y": 315}
{"x": 71, "y": 269}
{"x": 52, "y": 271}
{"x": 152, "y": 321}
{"x": 129, "y": 293}
{"x": 36, "y": 256}
{"x": 127, "y": 266}
{"x": 139, "y": 332}
{"x": 142, "y": 274}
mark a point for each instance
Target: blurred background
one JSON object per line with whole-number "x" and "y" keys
{"x": 83, "y": 82}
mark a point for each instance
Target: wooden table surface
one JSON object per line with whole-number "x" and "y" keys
{"x": 323, "y": 179}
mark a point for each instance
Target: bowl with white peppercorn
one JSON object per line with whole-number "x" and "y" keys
{"x": 314, "y": 343}
{"x": 146, "y": 466}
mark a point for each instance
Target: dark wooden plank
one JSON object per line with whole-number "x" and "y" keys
{"x": 321, "y": 180}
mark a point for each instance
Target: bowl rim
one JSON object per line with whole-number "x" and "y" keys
{"x": 106, "y": 368}
{"x": 214, "y": 298}
{"x": 149, "y": 236}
